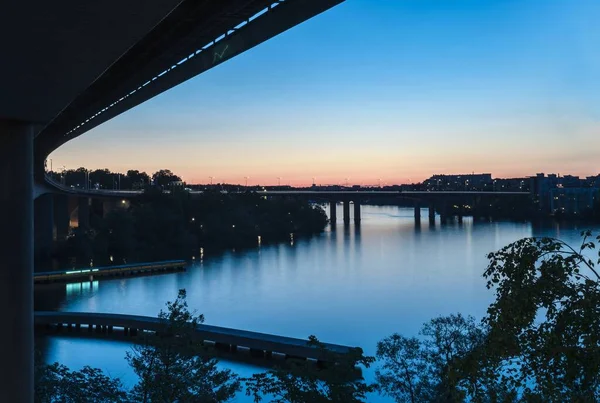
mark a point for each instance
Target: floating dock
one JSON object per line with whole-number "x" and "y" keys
{"x": 109, "y": 271}
{"x": 259, "y": 345}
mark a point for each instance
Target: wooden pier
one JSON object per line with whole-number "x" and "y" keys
{"x": 109, "y": 271}
{"x": 258, "y": 345}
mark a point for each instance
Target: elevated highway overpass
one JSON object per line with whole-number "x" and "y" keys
{"x": 69, "y": 66}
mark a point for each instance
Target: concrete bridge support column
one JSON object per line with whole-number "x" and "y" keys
{"x": 332, "y": 212}
{"x": 357, "y": 217}
{"x": 61, "y": 217}
{"x": 417, "y": 212}
{"x": 431, "y": 213}
{"x": 16, "y": 262}
{"x": 444, "y": 213}
{"x": 97, "y": 207}
{"x": 84, "y": 213}
{"x": 43, "y": 223}
{"x": 346, "y": 211}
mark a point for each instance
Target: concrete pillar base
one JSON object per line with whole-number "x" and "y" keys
{"x": 417, "y": 212}
{"x": 346, "y": 211}
{"x": 357, "y": 217}
{"x": 16, "y": 264}
{"x": 332, "y": 212}
{"x": 43, "y": 231}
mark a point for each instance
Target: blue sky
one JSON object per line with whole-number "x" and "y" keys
{"x": 390, "y": 89}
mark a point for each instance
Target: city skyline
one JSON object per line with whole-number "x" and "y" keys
{"x": 375, "y": 89}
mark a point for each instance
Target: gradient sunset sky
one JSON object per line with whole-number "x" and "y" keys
{"x": 390, "y": 89}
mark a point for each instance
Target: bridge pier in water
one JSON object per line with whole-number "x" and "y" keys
{"x": 444, "y": 213}
{"x": 346, "y": 211}
{"x": 357, "y": 217}
{"x": 16, "y": 265}
{"x": 432, "y": 213}
{"x": 332, "y": 212}
{"x": 417, "y": 212}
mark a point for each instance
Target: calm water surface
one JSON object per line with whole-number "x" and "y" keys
{"x": 350, "y": 285}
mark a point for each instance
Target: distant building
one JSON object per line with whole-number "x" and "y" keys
{"x": 512, "y": 185}
{"x": 540, "y": 186}
{"x": 570, "y": 181}
{"x": 463, "y": 182}
{"x": 593, "y": 181}
{"x": 572, "y": 200}
{"x": 567, "y": 194}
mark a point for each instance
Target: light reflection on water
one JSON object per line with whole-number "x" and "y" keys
{"x": 84, "y": 289}
{"x": 351, "y": 285}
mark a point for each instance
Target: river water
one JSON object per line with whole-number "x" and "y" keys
{"x": 350, "y": 285}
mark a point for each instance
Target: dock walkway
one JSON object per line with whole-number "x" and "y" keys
{"x": 108, "y": 271}
{"x": 259, "y": 344}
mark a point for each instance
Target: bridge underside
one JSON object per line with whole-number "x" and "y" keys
{"x": 71, "y": 65}
{"x": 195, "y": 37}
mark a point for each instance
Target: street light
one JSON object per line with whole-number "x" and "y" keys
{"x": 279, "y": 181}
{"x": 211, "y": 178}
{"x": 246, "y": 178}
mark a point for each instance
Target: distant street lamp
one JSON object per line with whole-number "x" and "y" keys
{"x": 279, "y": 181}
{"x": 211, "y": 179}
{"x": 246, "y": 178}
{"x": 86, "y": 178}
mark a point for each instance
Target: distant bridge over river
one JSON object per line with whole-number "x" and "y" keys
{"x": 445, "y": 203}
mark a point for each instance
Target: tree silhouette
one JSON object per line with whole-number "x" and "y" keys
{"x": 164, "y": 177}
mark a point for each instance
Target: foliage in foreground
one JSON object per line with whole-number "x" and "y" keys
{"x": 55, "y": 383}
{"x": 174, "y": 366}
{"x": 539, "y": 342}
{"x": 300, "y": 383}
{"x": 545, "y": 322}
{"x": 441, "y": 366}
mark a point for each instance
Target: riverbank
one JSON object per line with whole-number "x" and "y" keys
{"x": 160, "y": 226}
